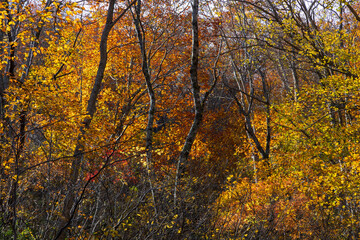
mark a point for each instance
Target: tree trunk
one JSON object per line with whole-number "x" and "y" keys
{"x": 150, "y": 90}
{"x": 69, "y": 210}
{"x": 198, "y": 105}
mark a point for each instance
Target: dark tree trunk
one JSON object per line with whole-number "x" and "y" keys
{"x": 70, "y": 203}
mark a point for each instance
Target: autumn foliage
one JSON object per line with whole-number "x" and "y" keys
{"x": 159, "y": 119}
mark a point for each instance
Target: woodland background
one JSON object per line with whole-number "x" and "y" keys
{"x": 176, "y": 119}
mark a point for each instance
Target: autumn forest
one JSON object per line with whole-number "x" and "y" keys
{"x": 179, "y": 119}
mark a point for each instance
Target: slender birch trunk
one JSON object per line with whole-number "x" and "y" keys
{"x": 152, "y": 107}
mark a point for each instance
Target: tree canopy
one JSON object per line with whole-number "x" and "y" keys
{"x": 173, "y": 119}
